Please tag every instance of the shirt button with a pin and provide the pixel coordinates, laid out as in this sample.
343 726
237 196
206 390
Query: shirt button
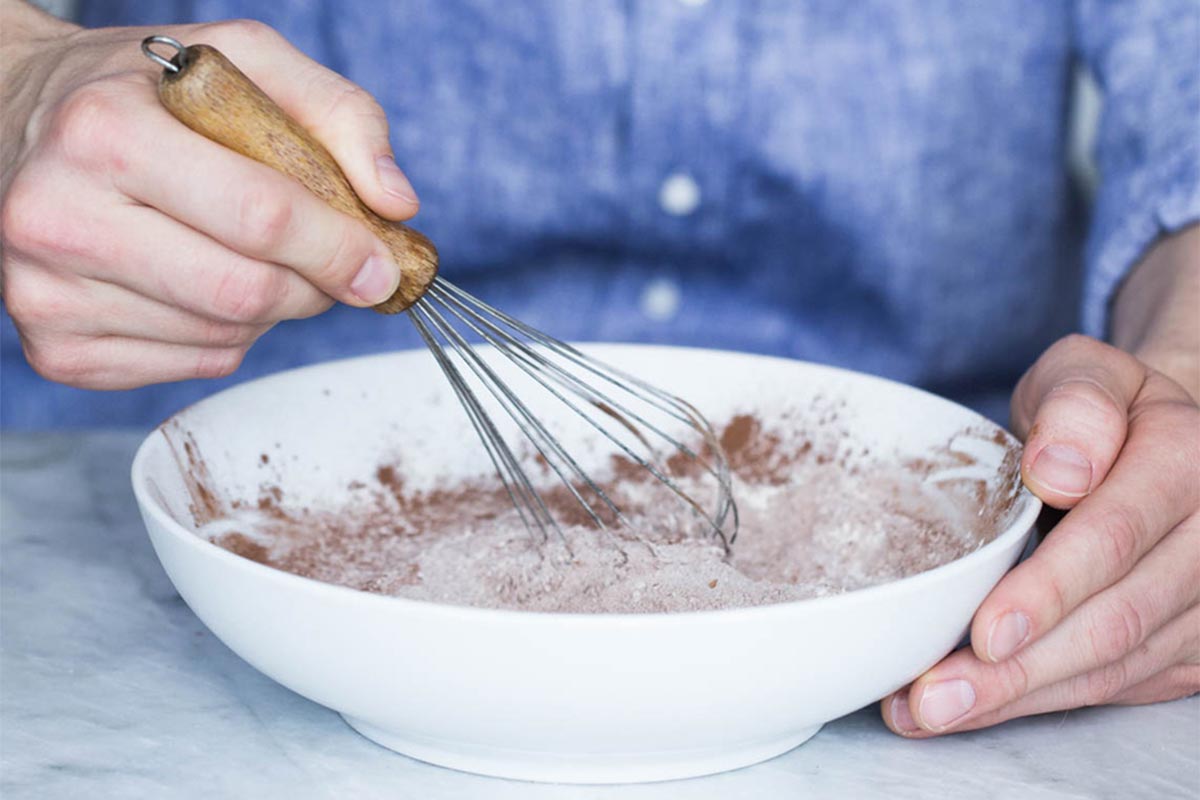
660 300
679 194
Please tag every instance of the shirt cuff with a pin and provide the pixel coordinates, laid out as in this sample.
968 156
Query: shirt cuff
1123 233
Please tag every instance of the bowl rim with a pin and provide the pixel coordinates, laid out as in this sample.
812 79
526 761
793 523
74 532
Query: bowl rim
1020 526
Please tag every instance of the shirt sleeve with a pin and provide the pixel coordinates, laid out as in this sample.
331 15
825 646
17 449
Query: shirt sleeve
1145 56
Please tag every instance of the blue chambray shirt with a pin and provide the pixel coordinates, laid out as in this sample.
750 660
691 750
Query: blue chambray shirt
872 184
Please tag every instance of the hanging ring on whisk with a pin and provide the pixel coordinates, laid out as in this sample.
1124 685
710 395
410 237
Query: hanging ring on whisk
175 63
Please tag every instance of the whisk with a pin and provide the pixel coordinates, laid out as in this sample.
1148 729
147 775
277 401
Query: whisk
206 92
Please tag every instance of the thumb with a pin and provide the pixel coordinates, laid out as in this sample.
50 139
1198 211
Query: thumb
340 114
1072 409
353 127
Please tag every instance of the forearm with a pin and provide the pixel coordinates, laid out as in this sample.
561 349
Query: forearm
1156 314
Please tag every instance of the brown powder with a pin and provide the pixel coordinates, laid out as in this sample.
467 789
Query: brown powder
205 505
817 517
245 547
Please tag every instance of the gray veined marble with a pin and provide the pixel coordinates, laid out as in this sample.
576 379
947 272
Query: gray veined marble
110 687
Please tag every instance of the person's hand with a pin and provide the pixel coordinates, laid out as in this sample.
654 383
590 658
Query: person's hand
1105 610
136 251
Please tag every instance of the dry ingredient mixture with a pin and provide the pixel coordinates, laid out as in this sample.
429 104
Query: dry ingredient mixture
817 518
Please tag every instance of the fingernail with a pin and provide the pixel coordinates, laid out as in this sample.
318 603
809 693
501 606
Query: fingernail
1007 634
393 180
1063 469
375 281
946 702
901 717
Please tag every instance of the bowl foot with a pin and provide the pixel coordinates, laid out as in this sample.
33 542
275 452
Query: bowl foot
566 767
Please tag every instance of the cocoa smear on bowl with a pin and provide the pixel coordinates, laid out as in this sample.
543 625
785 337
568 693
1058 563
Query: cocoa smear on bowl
818 517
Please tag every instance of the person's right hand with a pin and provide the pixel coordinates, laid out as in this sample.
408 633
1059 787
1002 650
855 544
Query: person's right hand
136 251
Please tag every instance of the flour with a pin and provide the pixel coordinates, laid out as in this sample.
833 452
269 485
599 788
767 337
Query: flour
817 518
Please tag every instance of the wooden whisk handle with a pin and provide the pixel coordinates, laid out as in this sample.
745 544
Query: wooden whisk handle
206 92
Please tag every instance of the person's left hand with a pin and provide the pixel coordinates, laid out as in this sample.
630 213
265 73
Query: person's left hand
1106 609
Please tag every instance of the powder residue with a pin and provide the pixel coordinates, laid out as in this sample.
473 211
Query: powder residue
818 517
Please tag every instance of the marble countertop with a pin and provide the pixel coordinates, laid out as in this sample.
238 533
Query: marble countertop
110 687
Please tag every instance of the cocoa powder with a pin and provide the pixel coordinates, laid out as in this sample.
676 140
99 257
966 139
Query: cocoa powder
818 516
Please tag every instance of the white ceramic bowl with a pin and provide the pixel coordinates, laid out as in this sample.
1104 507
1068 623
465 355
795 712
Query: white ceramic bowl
556 697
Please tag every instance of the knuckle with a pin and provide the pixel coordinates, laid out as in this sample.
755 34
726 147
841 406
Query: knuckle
61 363
1119 629
31 302
312 303
347 107
1076 348
30 224
245 31
370 107
1101 685
1187 679
1077 343
348 97
1119 531
1086 408
87 125
351 248
1061 598
1086 394
1054 586
246 295
218 362
264 218
20 227
1015 677
219 334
